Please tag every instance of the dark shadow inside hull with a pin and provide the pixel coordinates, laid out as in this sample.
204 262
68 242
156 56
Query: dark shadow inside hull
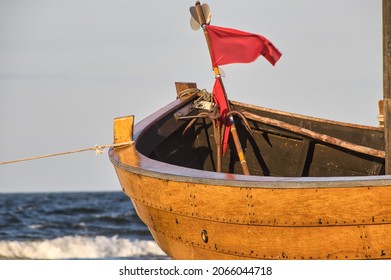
269 150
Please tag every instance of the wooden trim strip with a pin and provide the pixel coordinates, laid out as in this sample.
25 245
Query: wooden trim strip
317 136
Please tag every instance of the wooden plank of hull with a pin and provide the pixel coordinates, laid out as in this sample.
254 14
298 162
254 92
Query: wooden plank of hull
270 223
181 238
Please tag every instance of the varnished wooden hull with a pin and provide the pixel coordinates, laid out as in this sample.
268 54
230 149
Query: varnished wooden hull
198 214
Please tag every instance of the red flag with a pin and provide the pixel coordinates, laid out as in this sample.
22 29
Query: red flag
219 98
235 46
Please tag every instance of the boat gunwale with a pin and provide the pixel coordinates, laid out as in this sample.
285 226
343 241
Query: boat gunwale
188 175
166 171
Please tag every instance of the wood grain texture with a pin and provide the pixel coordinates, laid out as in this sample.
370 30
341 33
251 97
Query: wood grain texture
387 80
123 129
242 223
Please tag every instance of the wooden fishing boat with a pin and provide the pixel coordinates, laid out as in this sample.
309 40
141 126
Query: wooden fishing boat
305 198
317 188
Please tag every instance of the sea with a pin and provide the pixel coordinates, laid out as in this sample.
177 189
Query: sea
73 225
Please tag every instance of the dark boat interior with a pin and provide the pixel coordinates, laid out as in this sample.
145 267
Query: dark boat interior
269 150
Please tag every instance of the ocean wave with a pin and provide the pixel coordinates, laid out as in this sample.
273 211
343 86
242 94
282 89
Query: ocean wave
81 247
37 226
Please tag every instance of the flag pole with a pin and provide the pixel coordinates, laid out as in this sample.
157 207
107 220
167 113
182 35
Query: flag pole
216 71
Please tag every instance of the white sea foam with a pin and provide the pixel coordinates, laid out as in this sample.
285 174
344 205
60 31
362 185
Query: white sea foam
80 247
35 226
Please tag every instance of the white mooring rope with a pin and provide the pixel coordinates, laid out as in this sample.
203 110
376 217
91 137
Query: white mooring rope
98 149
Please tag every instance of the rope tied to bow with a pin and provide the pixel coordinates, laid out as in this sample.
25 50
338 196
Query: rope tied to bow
98 149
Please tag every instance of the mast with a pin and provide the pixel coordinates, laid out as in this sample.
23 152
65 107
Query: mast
216 71
387 82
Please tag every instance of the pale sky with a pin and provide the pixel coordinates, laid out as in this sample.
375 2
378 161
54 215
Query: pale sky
69 67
